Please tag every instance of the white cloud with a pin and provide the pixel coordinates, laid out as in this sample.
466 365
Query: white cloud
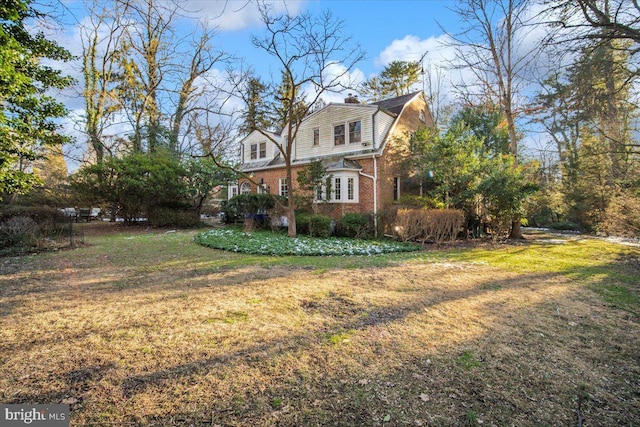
232 15
347 82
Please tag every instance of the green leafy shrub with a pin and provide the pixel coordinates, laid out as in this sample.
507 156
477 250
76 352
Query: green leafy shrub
302 223
173 217
254 206
319 226
355 225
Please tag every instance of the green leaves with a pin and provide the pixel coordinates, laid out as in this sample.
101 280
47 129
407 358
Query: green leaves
26 111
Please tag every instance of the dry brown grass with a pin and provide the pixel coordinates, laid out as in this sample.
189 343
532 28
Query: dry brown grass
151 329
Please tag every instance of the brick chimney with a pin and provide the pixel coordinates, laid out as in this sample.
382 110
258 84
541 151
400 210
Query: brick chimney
351 99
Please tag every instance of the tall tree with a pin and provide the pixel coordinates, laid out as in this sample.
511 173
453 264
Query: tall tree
396 79
102 41
256 113
306 47
491 47
27 110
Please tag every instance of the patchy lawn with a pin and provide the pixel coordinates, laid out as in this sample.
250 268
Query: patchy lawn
150 328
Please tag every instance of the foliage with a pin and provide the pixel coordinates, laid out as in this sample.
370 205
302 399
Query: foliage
248 206
422 225
315 183
356 225
27 226
319 225
267 243
27 110
504 190
451 163
622 216
137 185
486 123
396 79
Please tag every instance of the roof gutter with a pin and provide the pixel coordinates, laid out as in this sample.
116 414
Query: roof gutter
374 178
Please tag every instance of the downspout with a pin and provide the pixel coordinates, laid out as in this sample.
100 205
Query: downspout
374 178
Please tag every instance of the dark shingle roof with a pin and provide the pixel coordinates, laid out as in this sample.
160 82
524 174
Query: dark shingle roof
395 105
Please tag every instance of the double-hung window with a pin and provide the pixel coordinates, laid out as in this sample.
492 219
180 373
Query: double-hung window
355 131
254 151
283 187
263 150
337 190
351 187
316 137
338 135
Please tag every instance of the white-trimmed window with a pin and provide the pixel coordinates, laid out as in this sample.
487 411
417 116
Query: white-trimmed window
254 152
263 150
355 131
344 188
245 188
233 191
351 187
316 137
338 135
283 188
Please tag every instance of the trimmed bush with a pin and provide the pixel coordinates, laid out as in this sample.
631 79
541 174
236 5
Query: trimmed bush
355 225
422 225
173 217
319 226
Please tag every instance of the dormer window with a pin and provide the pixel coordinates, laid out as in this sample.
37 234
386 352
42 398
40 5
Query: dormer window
355 134
316 137
338 135
263 150
254 151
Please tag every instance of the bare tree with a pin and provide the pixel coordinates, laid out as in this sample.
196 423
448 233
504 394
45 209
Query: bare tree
306 48
101 37
598 20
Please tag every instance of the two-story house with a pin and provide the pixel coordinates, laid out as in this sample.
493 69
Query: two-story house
364 148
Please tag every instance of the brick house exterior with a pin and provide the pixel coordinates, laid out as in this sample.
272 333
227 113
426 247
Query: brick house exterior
363 146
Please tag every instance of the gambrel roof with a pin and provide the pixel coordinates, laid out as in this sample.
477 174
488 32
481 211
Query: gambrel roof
395 105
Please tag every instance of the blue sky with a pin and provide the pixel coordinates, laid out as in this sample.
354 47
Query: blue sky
375 24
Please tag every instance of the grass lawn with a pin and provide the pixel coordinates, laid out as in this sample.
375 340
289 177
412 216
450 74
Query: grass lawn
150 328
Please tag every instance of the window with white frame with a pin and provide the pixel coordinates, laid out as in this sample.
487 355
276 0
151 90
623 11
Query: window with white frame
263 150
351 187
355 131
254 151
316 137
245 188
337 189
338 135
283 188
233 191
